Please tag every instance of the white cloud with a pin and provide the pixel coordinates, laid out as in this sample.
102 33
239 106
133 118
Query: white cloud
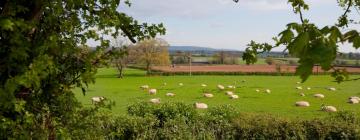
196 9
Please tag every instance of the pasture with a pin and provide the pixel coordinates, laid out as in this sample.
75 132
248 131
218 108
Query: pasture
280 102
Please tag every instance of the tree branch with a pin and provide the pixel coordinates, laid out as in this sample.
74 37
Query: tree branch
348 8
128 34
301 16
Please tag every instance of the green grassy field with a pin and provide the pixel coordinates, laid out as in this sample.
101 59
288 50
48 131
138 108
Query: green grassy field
279 103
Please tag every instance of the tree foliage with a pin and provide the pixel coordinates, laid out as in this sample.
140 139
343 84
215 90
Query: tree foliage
312 44
120 55
151 52
44 56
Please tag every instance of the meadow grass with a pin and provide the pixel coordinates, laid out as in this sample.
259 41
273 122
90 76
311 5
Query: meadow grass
280 102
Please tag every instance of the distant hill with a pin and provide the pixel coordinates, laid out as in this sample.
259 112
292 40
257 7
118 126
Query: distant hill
190 48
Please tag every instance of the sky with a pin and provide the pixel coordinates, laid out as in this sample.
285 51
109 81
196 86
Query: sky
224 24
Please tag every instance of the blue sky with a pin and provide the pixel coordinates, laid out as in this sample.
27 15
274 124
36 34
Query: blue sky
227 25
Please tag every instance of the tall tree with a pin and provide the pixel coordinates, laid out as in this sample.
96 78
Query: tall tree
120 57
42 62
151 52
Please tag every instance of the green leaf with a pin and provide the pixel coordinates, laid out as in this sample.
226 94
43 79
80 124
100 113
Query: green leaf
305 69
356 42
335 34
298 46
286 36
6 24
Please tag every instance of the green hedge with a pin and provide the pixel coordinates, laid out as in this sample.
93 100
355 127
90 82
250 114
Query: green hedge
183 121
180 121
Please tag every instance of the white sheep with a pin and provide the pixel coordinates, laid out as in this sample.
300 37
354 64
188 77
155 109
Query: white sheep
319 96
268 91
170 94
299 88
234 96
332 89
181 84
144 87
155 101
203 85
298 82
355 97
309 88
302 94
231 87
221 87
201 105
152 91
229 93
208 95
353 101
302 104
257 90
97 99
329 109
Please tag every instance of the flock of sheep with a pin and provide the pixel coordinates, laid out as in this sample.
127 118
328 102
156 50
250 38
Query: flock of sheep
352 100
197 105
229 91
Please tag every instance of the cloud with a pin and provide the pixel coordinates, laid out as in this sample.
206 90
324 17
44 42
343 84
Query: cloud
264 5
216 25
195 9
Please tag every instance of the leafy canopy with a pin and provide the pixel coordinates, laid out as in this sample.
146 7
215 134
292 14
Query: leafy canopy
312 44
44 56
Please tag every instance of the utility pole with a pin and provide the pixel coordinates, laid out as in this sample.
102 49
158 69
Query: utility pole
190 62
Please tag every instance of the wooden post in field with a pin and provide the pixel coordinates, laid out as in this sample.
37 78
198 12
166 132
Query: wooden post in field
190 56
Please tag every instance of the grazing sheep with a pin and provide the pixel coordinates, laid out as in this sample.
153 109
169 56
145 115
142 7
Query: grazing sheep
328 109
155 101
208 95
203 85
319 96
298 82
181 84
353 101
309 88
201 105
355 97
268 91
234 97
299 88
221 87
302 104
152 91
144 87
231 87
257 90
229 93
332 89
302 94
170 94
97 99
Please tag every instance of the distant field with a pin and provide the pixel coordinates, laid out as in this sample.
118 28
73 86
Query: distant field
280 102
241 68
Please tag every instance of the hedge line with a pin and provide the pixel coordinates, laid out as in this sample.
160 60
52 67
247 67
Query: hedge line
165 73
182 121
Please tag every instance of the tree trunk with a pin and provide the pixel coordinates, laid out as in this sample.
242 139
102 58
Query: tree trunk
120 68
121 71
148 68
